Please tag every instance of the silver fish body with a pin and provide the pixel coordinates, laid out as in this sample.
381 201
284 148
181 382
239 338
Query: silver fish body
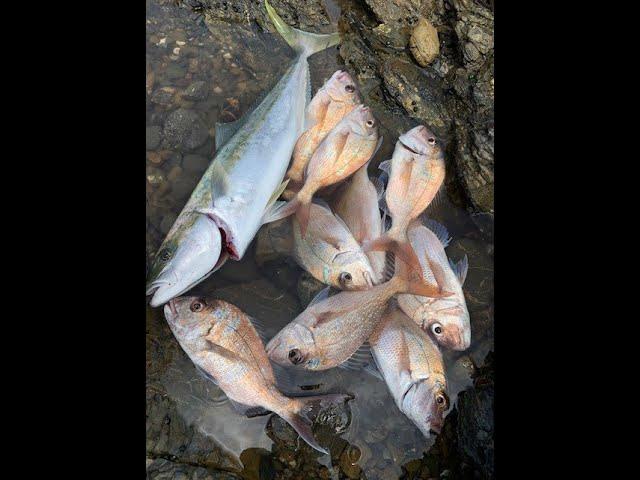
242 182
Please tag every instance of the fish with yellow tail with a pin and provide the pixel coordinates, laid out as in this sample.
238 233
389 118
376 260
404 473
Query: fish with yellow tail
416 173
412 368
331 329
221 341
350 144
239 189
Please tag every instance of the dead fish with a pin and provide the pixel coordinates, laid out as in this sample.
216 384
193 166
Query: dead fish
221 341
447 319
345 149
336 98
330 253
356 202
331 329
412 367
416 172
237 192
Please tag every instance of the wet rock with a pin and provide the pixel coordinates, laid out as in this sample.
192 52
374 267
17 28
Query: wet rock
175 71
196 91
168 436
154 136
349 462
195 163
274 241
167 222
163 96
424 43
184 129
162 469
258 464
174 174
308 287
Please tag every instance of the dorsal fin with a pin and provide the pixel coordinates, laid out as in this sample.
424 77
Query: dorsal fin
385 166
461 268
438 229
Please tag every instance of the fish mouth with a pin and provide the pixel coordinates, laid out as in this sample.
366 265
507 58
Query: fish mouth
406 147
170 311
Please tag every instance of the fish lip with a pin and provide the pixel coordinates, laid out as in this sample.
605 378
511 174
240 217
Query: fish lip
409 148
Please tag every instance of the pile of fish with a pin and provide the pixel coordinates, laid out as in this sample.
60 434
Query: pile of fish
400 298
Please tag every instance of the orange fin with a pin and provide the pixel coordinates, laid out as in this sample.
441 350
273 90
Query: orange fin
401 250
285 210
303 211
414 282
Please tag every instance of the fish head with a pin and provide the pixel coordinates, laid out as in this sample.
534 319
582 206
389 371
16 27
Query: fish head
420 140
188 317
294 346
353 271
183 260
362 122
425 403
448 323
341 88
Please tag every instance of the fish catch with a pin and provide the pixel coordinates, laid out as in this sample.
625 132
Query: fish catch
336 98
416 172
330 253
331 329
356 202
345 149
239 188
447 319
412 368
221 340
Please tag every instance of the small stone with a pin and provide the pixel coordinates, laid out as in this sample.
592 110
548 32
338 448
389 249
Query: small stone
180 43
155 158
154 136
184 128
163 95
197 91
424 43
174 174
217 90
163 41
227 56
195 163
154 176
176 51
175 71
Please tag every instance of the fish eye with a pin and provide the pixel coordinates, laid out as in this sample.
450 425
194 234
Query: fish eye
431 140
350 88
295 356
436 328
442 400
165 255
345 277
370 123
197 306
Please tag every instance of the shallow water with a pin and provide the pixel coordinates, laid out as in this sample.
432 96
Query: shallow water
237 63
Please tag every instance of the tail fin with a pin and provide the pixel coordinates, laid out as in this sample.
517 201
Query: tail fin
302 215
388 242
410 280
300 419
303 42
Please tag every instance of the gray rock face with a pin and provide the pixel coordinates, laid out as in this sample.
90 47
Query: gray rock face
154 136
184 129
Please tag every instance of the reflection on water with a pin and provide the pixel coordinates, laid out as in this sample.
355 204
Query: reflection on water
215 75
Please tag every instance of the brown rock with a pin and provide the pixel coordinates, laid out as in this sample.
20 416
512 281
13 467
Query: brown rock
424 43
